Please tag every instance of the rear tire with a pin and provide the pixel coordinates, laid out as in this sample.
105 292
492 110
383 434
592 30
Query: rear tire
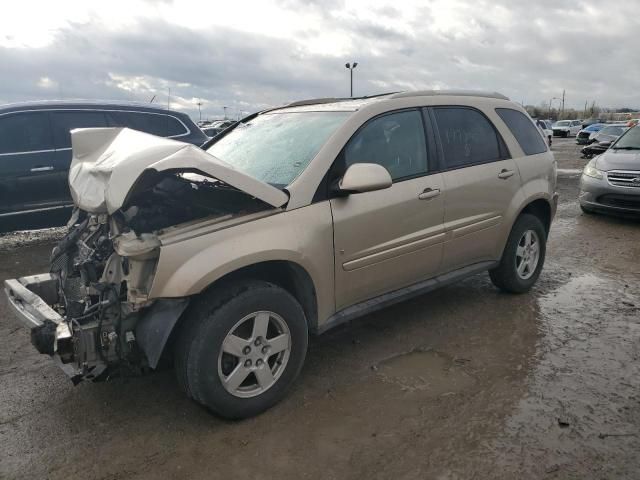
241 348
523 256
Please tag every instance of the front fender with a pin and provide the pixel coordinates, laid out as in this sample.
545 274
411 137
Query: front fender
303 236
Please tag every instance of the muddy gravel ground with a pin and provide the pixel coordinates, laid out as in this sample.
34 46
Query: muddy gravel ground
465 382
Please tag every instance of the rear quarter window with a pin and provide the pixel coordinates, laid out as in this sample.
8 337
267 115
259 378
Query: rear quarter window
524 130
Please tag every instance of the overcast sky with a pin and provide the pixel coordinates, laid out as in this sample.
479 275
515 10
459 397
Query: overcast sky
250 55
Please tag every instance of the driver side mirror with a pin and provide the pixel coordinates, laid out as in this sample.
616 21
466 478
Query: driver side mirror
365 177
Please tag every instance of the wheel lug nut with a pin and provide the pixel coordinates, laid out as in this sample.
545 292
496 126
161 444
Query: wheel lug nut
258 363
265 349
247 363
257 342
246 350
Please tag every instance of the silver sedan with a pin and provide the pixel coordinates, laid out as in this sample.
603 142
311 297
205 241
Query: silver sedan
611 182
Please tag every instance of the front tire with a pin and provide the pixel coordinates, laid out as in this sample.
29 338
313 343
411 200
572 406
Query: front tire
523 256
242 348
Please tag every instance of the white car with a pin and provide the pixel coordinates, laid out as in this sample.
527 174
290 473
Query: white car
567 128
545 127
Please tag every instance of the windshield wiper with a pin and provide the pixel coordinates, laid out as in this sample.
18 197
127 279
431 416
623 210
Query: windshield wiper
626 148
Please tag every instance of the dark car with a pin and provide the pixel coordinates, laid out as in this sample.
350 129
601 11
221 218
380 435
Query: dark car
216 127
35 147
591 121
603 140
584 135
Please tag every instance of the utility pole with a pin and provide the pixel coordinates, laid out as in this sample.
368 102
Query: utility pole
169 99
225 112
585 107
350 67
563 102
551 100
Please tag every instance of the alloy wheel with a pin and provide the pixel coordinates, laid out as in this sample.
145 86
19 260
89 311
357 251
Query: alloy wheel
527 254
254 354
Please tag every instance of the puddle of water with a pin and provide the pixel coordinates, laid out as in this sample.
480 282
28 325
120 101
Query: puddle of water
428 371
583 398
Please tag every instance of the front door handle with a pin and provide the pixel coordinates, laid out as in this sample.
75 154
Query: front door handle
429 193
41 169
504 174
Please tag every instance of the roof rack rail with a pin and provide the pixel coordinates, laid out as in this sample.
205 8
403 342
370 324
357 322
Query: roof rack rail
453 93
319 101
316 101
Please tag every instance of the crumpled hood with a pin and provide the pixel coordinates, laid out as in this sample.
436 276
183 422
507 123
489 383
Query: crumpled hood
618 160
107 162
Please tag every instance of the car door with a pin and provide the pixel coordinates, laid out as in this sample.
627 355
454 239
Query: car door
390 238
29 179
480 182
63 121
576 126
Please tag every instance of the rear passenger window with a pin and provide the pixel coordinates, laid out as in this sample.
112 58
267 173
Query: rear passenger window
118 119
153 123
65 121
395 141
523 129
175 127
25 132
467 137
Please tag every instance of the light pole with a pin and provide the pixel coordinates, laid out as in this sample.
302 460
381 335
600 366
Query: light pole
199 110
225 112
350 67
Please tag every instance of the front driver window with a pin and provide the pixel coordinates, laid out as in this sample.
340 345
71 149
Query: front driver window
395 141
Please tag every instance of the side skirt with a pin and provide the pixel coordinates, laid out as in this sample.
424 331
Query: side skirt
368 306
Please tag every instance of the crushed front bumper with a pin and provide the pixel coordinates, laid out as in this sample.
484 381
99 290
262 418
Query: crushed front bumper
30 299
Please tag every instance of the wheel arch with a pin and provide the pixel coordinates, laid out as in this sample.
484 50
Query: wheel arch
541 208
286 274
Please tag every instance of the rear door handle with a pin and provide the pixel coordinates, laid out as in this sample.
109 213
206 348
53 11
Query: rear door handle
41 169
429 193
504 174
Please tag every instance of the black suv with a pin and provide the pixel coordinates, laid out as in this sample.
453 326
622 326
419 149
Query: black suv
35 147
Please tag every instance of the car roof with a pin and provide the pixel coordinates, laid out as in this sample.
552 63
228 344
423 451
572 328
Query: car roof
353 104
82 105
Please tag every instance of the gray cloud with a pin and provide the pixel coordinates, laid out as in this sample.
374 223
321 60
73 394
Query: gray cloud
548 46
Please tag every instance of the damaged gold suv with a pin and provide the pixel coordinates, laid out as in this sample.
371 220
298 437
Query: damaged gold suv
224 258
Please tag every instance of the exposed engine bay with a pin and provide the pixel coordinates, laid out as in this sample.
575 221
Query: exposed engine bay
104 268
